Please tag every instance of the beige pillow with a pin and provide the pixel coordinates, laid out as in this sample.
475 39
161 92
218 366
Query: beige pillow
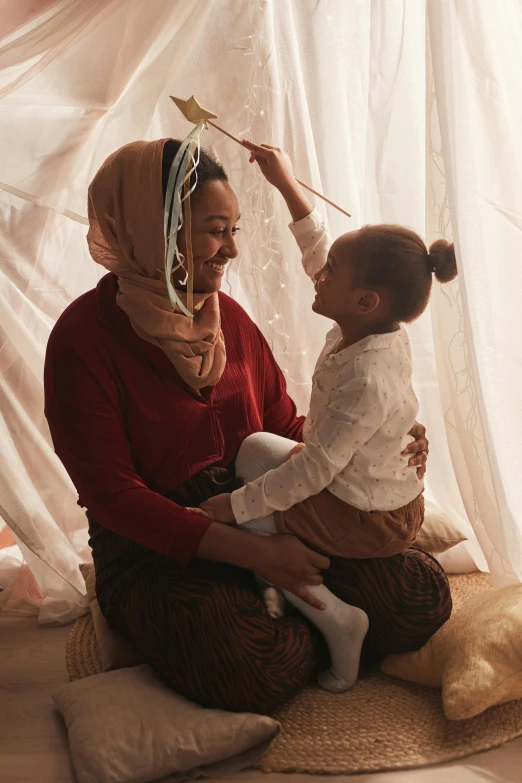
127 727
115 652
438 533
476 657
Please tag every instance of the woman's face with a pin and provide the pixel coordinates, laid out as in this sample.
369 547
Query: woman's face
214 214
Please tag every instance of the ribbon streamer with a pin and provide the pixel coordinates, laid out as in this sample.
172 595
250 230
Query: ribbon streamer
178 191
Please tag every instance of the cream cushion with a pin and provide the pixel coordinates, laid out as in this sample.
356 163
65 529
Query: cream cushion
127 727
438 533
476 656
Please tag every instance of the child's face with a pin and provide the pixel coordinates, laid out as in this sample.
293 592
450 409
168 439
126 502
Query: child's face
339 295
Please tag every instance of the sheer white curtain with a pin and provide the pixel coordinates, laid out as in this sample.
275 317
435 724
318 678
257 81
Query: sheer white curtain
343 87
477 62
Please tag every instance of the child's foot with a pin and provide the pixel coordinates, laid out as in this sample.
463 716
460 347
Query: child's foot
345 643
331 682
343 627
274 601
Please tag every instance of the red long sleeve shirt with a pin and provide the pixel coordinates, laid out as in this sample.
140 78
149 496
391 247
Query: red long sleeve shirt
128 429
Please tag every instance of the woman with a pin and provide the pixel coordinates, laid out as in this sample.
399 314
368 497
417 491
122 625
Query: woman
147 411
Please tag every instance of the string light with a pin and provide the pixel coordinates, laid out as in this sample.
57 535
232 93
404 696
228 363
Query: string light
264 275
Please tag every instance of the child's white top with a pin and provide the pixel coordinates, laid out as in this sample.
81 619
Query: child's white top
361 410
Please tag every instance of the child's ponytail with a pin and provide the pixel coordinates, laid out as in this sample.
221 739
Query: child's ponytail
442 261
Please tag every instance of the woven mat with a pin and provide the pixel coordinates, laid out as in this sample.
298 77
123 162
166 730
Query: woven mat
82 654
381 724
384 723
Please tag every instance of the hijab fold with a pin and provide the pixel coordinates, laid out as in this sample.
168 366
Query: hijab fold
126 237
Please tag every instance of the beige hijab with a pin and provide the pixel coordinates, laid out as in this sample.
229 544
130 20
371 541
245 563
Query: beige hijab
126 237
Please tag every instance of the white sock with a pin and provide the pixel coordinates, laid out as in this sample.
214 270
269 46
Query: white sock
344 628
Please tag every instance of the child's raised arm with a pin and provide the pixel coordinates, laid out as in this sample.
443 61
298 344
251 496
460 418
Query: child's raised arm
276 167
308 226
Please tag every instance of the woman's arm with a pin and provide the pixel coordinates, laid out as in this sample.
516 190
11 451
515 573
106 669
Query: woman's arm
279 411
89 435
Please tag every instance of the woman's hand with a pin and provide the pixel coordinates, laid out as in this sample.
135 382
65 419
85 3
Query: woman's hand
276 167
288 564
282 560
419 448
219 508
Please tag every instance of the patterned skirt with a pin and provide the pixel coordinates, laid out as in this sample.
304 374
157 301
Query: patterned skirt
205 629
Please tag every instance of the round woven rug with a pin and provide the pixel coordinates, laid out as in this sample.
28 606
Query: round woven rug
381 724
82 653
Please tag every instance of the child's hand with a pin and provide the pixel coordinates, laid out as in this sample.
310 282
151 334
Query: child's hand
274 163
277 169
219 508
297 448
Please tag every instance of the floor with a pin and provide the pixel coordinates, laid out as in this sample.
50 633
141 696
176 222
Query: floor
33 741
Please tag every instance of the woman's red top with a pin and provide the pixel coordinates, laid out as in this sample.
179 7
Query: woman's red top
127 428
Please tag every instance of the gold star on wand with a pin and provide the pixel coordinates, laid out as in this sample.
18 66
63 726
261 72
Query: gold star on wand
195 112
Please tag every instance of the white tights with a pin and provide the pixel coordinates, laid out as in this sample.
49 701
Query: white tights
343 626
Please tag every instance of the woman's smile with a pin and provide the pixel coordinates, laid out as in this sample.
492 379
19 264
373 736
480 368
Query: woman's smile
217 266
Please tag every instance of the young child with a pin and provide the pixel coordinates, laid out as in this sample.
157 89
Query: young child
348 491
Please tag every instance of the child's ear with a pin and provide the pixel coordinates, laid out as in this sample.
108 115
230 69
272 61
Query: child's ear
368 302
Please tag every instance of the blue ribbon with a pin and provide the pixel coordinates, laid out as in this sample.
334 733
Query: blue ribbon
172 216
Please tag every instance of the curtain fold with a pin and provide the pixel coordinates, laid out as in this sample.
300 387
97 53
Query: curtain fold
477 61
351 92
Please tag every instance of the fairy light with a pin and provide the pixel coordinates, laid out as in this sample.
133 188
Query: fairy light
264 277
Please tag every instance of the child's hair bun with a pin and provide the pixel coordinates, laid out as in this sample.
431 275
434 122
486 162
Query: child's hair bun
442 261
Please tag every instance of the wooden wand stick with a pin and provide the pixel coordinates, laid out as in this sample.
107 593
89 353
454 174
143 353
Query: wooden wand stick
194 112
